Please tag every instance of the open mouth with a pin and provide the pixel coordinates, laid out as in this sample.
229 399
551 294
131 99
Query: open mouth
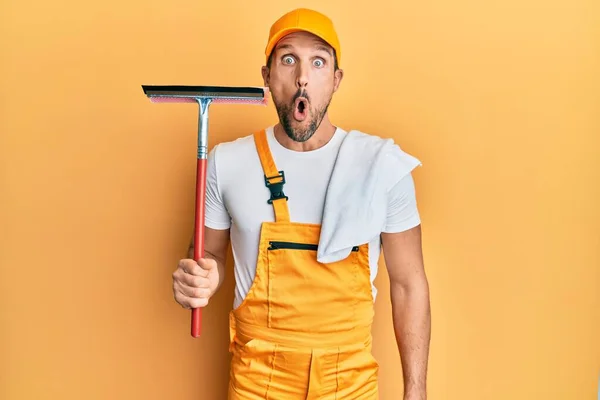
300 109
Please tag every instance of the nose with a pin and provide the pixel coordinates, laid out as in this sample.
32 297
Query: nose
302 75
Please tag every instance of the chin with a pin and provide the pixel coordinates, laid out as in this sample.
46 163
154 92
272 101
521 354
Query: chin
300 131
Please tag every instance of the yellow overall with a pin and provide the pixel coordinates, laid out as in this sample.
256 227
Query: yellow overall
304 329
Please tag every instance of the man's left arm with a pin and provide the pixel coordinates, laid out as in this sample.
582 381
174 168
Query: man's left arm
409 290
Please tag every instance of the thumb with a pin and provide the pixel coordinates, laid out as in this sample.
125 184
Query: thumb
207 263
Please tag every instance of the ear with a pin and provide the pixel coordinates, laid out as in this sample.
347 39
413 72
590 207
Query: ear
337 79
265 75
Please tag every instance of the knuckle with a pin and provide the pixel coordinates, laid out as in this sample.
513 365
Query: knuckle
177 281
190 266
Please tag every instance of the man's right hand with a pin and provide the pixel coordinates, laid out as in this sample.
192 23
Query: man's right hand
195 282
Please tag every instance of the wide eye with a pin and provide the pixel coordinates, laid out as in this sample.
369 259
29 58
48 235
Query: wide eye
318 63
288 60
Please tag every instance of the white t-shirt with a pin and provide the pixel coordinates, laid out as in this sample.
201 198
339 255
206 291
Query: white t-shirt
236 197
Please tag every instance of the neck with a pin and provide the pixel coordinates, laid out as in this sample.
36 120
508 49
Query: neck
320 138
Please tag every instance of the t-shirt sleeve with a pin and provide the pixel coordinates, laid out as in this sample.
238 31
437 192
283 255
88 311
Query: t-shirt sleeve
402 212
216 214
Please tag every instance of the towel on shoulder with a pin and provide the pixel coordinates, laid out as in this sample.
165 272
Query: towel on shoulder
367 167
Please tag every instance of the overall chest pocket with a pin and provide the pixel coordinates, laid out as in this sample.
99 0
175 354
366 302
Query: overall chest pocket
306 295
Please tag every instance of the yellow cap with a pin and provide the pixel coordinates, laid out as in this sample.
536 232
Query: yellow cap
303 19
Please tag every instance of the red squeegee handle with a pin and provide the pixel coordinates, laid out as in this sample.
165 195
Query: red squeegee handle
199 233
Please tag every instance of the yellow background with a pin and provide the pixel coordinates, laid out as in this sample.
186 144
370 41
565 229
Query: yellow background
500 100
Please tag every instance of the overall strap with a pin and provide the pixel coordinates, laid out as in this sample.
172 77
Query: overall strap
274 179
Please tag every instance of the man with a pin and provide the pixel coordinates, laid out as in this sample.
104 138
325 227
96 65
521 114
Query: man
301 323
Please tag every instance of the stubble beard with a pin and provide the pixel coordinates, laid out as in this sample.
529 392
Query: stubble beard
300 134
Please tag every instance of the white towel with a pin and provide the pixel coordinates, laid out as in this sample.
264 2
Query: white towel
367 167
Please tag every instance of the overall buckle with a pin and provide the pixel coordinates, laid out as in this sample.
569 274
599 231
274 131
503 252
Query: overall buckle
276 188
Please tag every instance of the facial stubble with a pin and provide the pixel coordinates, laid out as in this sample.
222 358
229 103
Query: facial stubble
285 113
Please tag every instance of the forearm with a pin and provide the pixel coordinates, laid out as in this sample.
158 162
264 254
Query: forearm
412 327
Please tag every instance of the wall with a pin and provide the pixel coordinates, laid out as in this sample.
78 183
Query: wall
498 99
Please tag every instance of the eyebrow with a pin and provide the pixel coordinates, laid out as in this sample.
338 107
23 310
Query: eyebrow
325 49
284 46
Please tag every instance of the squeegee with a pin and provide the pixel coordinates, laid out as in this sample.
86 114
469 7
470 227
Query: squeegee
204 96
